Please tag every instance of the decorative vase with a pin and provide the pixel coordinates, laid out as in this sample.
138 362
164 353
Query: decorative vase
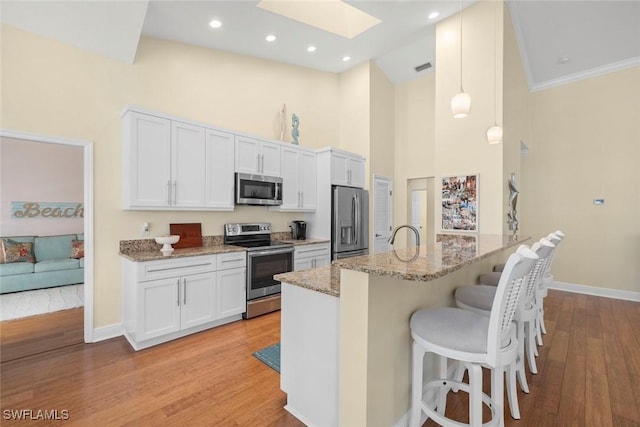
166 242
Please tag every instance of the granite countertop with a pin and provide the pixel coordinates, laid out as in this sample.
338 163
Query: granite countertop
304 242
450 253
323 279
153 254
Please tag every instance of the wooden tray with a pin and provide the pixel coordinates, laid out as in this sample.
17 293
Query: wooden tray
190 235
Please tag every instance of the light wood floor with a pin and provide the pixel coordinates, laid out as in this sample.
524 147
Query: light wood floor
38 334
589 375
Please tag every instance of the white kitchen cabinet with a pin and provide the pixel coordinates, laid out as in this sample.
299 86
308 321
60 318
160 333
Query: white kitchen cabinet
231 292
347 169
159 312
198 305
175 165
220 154
188 164
147 161
256 157
168 299
311 256
299 179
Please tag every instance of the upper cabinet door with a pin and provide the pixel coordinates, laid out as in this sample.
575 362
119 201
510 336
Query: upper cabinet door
356 172
220 163
188 164
248 155
270 159
309 180
290 178
339 169
147 161
257 157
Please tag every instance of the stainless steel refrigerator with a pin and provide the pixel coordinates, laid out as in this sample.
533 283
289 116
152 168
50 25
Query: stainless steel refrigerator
349 222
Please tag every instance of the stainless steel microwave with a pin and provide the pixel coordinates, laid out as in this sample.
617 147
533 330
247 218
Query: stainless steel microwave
258 190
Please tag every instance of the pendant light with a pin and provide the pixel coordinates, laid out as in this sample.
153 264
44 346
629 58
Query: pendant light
461 103
494 133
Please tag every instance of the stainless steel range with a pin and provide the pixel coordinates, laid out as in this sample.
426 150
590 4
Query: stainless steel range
265 258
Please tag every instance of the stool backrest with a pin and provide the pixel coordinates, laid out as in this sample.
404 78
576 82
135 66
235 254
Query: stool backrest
508 294
544 249
556 237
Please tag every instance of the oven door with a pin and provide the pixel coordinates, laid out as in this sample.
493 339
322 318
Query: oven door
258 190
262 266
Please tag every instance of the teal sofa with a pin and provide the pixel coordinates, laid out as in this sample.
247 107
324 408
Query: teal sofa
53 266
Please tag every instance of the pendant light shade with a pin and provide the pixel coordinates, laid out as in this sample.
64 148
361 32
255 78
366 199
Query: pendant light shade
494 134
460 105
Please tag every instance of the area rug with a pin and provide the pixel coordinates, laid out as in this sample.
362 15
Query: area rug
270 356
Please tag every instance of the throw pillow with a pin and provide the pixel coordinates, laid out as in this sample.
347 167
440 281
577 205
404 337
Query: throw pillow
17 251
77 249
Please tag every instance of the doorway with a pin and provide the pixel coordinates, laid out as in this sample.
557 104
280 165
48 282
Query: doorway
420 209
60 328
382 213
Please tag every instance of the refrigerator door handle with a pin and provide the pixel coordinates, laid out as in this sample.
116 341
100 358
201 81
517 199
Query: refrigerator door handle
357 223
353 217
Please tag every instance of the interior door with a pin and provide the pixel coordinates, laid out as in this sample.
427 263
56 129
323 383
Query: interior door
419 214
382 213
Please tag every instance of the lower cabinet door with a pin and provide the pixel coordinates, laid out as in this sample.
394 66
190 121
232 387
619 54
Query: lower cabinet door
198 299
231 294
159 313
302 264
321 261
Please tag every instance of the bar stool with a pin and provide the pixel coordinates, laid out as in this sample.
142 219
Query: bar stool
547 280
479 299
474 340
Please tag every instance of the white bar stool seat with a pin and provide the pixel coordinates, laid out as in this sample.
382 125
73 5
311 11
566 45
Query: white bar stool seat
480 299
474 340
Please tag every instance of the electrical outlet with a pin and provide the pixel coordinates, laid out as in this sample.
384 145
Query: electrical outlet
144 232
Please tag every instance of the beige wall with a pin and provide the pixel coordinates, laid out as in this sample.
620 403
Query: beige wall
585 144
515 115
460 144
381 106
53 89
355 92
414 142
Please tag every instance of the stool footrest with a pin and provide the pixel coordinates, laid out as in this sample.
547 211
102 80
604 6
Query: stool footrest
449 384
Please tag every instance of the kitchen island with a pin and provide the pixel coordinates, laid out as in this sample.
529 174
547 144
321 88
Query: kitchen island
346 343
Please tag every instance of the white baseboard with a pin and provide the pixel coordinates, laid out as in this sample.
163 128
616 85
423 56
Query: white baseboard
593 290
107 332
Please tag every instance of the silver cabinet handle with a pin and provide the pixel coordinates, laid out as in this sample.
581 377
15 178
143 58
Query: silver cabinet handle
302 199
262 168
175 192
184 281
178 300
169 192
258 163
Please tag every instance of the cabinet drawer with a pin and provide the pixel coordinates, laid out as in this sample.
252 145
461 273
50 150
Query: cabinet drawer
232 260
307 251
176 267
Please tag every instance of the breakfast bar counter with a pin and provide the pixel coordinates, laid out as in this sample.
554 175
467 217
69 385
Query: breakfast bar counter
345 339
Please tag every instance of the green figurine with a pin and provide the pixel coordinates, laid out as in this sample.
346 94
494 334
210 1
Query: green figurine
295 123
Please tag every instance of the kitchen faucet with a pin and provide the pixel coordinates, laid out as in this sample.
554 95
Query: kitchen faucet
395 230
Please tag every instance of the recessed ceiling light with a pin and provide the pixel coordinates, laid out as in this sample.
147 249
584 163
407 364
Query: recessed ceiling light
270 38
563 59
434 15
346 58
311 48
214 23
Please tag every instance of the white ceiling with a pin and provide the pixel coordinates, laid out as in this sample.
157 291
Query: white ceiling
595 36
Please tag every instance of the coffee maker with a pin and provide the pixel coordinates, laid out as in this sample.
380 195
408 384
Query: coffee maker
298 230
